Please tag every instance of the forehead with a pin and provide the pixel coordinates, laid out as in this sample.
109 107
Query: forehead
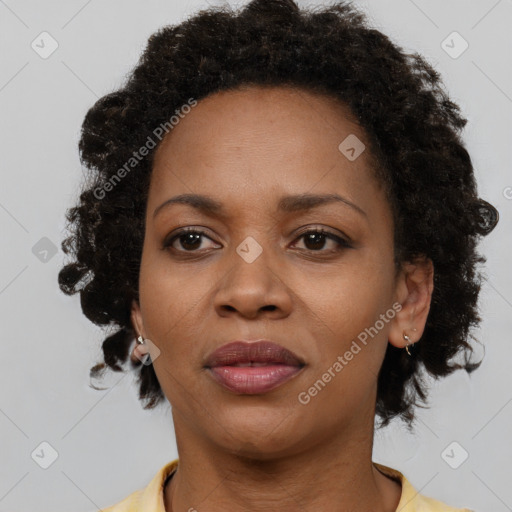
283 116
259 142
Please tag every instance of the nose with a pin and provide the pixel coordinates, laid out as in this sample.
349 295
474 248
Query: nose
253 289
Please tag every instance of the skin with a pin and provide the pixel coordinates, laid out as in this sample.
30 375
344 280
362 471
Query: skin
248 148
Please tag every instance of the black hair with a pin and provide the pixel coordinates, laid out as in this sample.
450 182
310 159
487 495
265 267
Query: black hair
398 99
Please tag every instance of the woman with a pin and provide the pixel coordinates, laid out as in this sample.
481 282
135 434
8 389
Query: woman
281 218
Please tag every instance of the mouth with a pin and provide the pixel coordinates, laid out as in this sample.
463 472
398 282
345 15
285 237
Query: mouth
253 367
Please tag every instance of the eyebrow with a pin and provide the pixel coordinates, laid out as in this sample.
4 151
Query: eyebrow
287 204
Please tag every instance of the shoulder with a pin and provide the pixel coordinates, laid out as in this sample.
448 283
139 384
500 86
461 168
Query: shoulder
411 500
148 499
129 504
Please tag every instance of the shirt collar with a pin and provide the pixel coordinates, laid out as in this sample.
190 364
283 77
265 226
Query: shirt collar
152 497
409 496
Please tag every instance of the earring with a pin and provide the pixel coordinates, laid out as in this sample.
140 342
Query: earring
141 352
406 338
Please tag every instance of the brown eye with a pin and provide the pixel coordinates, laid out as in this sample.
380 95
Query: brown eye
315 240
189 239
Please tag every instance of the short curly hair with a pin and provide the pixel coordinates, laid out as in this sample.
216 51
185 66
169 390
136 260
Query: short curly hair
398 99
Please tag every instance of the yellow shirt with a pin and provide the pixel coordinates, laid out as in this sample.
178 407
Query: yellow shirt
151 498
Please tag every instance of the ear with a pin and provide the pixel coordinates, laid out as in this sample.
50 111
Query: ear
414 287
139 351
136 318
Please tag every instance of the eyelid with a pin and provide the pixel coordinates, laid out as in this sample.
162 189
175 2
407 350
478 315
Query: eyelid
343 241
169 239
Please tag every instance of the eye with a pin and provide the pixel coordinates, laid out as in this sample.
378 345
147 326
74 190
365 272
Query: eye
315 240
188 238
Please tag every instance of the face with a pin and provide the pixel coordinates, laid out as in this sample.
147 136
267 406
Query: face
313 293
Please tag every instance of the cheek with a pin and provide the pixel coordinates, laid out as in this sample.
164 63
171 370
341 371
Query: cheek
353 297
170 300
170 308
348 315
351 340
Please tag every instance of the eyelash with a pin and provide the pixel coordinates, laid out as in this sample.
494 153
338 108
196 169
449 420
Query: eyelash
342 243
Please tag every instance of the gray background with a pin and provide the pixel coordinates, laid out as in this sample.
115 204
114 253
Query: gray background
107 445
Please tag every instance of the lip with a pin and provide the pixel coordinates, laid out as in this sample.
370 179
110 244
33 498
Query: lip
231 366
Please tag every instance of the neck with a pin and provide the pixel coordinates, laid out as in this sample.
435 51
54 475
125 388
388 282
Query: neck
337 475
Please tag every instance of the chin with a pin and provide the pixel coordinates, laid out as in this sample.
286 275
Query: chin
260 450
260 433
